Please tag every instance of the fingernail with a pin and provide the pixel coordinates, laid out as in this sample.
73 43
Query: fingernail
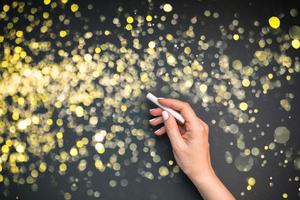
156 131
160 97
151 109
165 115
152 119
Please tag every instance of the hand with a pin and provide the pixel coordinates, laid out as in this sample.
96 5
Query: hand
190 147
189 140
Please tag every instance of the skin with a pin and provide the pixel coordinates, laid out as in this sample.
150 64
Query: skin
190 147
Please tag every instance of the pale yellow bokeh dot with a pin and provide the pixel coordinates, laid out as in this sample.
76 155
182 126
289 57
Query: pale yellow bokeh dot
128 27
120 68
74 7
73 151
100 148
249 187
246 82
270 76
59 135
149 18
274 22
49 122
187 50
151 44
5 148
45 15
236 37
62 167
15 115
163 171
169 37
6 8
203 88
251 181
47 2
64 1
63 33
285 195
296 44
129 20
79 111
42 167
1 38
167 7
19 34
97 50
144 77
123 108
93 120
243 106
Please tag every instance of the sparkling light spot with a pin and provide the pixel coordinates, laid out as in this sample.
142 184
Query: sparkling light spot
236 37
243 106
295 44
167 7
74 7
274 22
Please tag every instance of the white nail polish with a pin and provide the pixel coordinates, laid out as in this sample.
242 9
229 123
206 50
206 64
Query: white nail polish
152 119
165 115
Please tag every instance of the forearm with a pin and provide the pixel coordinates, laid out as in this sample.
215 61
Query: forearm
211 187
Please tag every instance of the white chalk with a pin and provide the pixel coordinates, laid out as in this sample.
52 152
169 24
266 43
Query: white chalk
175 114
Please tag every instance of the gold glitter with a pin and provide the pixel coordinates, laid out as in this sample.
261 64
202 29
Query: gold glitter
148 18
167 7
100 148
19 34
243 106
6 8
123 108
246 82
63 33
169 37
274 22
97 50
203 88
151 44
163 171
295 44
236 37
73 151
251 181
281 135
79 111
129 20
74 7
47 2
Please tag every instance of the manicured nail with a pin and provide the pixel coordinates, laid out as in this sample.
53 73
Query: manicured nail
165 115
152 119
160 97
152 109
156 131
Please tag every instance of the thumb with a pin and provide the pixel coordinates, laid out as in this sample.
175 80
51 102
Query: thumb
172 129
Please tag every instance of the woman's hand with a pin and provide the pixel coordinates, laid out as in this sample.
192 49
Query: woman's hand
190 146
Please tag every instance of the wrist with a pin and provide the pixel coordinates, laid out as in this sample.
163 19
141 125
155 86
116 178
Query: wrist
202 177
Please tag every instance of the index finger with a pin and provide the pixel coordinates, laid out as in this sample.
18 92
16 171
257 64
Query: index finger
184 108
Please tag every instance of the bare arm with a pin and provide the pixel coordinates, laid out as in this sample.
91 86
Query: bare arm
191 148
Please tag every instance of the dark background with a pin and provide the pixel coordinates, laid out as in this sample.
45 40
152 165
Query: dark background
179 187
